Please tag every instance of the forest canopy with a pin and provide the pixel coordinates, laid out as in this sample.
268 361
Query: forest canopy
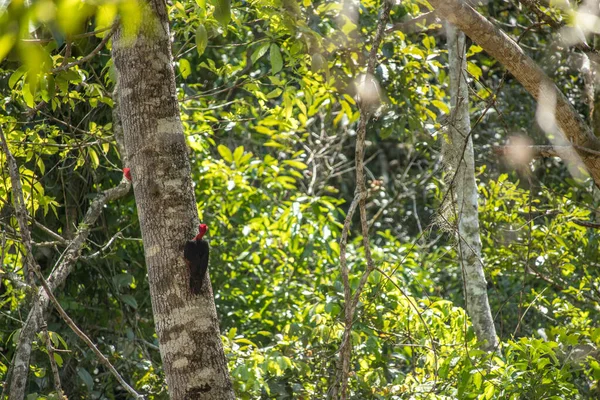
395 209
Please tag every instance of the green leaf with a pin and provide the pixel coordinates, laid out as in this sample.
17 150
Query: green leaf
129 300
86 377
222 11
185 68
41 165
57 339
201 39
474 70
6 44
225 153
16 76
276 60
123 280
296 164
237 154
259 52
441 106
28 96
94 157
489 391
58 359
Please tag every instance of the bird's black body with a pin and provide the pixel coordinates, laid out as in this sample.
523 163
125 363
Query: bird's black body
196 258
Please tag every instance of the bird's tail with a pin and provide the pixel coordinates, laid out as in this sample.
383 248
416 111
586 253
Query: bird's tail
195 284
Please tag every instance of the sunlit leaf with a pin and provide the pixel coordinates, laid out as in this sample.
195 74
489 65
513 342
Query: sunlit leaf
259 52
276 60
222 11
225 153
201 39
185 68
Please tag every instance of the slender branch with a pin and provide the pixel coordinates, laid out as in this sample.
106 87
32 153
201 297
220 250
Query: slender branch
50 232
535 151
2 246
350 302
53 366
85 338
116 236
20 209
587 224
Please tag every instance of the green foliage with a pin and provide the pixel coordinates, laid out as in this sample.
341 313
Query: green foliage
267 95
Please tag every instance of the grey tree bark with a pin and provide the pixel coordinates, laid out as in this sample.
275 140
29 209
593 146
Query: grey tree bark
459 159
187 326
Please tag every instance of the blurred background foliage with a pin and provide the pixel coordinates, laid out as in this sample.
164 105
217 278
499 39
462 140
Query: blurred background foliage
266 90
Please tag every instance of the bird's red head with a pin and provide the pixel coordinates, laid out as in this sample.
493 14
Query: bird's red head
127 173
202 229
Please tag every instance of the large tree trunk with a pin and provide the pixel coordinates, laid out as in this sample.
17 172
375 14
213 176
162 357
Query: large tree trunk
567 122
458 154
187 326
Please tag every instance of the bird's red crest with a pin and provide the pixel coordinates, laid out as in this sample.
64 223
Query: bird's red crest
202 229
127 173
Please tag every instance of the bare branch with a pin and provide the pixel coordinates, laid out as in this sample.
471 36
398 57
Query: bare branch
2 246
587 224
53 366
116 236
50 232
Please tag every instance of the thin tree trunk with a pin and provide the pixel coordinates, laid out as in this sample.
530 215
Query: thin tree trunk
458 153
187 326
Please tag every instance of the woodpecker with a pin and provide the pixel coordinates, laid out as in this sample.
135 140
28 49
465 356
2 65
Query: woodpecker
127 174
195 253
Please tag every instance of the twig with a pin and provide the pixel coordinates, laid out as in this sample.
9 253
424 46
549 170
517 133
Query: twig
587 224
85 338
53 366
106 246
3 245
50 232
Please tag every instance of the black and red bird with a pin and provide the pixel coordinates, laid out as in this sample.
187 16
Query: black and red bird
195 253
